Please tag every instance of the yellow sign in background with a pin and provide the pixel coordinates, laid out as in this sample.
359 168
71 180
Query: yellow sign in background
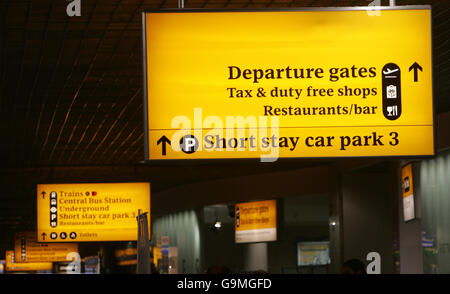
126 256
90 212
13 266
342 83
313 253
407 181
27 249
408 192
256 221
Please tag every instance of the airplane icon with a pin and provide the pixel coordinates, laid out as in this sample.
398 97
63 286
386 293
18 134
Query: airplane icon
389 71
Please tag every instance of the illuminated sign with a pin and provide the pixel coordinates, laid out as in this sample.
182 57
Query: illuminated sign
256 221
336 82
90 212
408 192
27 249
313 253
13 266
126 256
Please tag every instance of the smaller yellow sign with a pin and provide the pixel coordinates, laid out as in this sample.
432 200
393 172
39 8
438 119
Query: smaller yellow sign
313 253
256 221
407 181
126 256
408 192
12 266
90 212
27 249
157 253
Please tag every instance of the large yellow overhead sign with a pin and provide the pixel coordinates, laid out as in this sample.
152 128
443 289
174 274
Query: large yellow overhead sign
248 84
90 212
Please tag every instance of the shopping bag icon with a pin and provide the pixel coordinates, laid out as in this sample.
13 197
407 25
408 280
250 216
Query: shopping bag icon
391 91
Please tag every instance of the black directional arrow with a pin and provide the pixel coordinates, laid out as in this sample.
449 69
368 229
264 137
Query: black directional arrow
163 140
43 194
43 236
416 67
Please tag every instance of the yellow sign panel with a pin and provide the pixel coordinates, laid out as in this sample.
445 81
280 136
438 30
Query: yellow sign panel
313 253
90 212
13 266
126 256
408 192
407 180
256 221
27 249
266 84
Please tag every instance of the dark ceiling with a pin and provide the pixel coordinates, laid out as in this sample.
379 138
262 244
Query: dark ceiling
71 94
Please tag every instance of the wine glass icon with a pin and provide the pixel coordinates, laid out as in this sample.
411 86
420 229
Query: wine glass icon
389 109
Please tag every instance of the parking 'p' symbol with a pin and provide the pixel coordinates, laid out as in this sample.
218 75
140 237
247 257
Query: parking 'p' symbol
189 144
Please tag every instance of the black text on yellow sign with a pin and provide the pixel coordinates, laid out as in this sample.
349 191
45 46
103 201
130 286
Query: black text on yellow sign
90 212
335 83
